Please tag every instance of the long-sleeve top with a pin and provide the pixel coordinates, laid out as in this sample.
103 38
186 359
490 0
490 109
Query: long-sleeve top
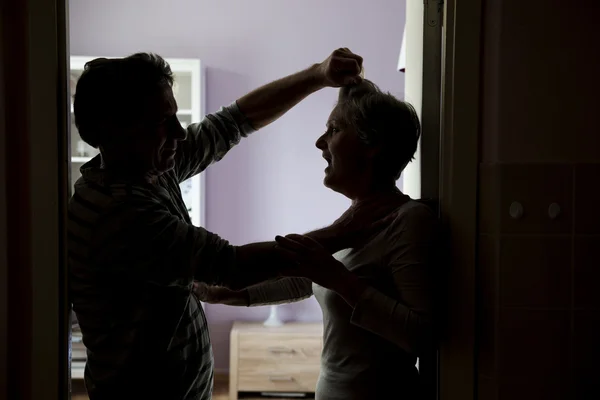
370 351
133 256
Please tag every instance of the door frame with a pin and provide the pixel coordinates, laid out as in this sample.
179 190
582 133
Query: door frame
33 131
447 68
35 268
459 162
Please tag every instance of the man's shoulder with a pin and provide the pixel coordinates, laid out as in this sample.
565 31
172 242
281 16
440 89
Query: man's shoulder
91 198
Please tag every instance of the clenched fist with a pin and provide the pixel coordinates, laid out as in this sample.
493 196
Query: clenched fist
341 68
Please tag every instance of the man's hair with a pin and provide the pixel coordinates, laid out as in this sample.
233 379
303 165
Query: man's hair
114 93
380 119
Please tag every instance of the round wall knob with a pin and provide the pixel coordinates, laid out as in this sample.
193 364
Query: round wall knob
516 210
553 211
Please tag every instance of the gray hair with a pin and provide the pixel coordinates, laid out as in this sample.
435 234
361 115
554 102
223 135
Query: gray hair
380 119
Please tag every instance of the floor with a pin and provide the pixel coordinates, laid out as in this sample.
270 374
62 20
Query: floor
219 394
221 390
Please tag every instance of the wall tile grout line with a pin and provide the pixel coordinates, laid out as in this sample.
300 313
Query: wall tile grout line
572 316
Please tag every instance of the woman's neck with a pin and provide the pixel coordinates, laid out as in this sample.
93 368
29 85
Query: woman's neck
389 192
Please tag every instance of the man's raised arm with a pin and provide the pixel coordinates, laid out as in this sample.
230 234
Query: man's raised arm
209 140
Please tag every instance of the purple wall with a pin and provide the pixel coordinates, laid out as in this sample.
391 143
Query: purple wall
272 183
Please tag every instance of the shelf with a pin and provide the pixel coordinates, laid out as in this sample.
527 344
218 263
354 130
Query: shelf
180 112
188 90
81 159
77 369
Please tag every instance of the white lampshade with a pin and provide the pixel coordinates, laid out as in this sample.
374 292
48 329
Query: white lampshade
402 58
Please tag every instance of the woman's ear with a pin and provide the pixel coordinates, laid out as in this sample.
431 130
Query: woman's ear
373 152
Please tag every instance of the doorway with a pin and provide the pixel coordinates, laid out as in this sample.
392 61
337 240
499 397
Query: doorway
45 277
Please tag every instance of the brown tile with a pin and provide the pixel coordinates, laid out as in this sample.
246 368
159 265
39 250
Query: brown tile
536 187
535 271
487 283
533 346
544 117
587 272
587 354
587 199
486 342
487 388
487 271
489 199
528 388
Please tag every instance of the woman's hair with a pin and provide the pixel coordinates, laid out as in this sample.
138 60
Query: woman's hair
382 120
113 93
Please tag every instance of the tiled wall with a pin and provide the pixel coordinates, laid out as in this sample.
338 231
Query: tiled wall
539 216
539 280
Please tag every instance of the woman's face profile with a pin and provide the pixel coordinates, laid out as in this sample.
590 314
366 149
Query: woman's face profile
348 159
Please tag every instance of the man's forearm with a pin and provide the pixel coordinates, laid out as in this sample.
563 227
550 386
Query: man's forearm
221 295
269 102
255 263
259 262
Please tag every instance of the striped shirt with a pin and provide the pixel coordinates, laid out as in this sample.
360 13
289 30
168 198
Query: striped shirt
133 256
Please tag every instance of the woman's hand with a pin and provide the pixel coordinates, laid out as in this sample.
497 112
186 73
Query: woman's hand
220 295
314 262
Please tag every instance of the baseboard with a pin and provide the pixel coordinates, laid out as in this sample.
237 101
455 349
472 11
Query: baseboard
221 375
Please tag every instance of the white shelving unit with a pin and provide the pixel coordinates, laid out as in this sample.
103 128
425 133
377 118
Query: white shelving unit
188 89
189 93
